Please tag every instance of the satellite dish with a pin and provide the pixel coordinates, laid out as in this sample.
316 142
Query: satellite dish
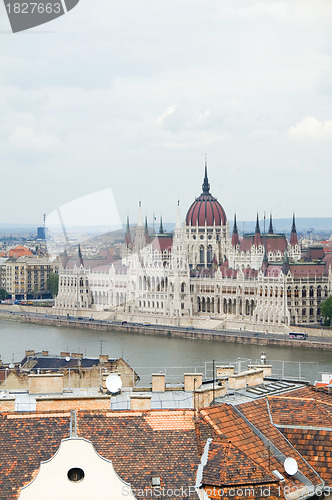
11 365
67 358
290 466
113 383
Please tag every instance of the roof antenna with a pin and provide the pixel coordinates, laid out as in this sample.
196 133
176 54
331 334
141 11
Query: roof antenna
73 424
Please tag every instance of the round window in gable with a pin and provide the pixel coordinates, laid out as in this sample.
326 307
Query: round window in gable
75 474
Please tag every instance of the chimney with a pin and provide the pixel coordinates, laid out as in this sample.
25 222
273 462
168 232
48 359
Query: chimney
224 370
158 382
140 402
31 352
46 383
77 355
65 354
103 358
192 381
45 353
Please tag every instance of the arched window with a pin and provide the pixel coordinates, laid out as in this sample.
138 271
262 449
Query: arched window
304 292
201 254
209 254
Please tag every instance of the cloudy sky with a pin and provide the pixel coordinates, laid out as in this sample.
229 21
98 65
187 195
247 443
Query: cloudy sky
131 96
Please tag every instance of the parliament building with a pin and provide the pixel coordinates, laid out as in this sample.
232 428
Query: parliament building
202 271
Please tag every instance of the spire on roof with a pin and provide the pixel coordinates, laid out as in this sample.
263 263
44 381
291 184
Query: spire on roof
235 235
139 218
257 229
80 256
293 237
206 185
265 263
178 217
161 229
65 258
257 238
271 226
147 237
128 236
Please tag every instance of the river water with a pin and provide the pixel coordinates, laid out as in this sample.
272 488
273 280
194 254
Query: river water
153 354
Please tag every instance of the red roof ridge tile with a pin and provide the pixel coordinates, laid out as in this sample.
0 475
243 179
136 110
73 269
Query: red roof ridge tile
38 415
117 413
323 410
213 425
289 397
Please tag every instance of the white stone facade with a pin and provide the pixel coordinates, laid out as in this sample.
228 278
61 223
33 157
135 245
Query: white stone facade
198 271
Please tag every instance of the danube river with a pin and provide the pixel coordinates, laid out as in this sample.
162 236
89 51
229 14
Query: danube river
149 354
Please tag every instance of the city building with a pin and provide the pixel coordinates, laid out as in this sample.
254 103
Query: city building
27 276
203 271
74 369
275 446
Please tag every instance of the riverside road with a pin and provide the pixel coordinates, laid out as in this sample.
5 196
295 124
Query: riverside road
323 341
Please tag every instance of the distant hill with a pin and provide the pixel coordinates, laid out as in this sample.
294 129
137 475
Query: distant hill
304 225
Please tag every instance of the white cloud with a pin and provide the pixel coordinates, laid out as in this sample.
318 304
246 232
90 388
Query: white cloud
311 128
132 88
169 111
27 140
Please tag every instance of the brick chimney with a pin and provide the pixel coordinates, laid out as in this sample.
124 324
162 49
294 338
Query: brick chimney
103 358
140 402
192 381
158 382
77 355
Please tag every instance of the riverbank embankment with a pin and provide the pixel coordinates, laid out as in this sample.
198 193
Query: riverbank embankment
317 338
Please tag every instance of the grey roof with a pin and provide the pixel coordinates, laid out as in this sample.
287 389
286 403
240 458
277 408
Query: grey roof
159 400
57 362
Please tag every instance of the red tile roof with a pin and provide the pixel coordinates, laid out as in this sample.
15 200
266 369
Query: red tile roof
230 425
246 243
328 259
305 419
274 270
19 251
24 443
168 443
258 414
228 465
141 445
304 269
271 242
161 243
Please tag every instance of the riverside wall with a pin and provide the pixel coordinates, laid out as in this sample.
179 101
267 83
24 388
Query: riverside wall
253 337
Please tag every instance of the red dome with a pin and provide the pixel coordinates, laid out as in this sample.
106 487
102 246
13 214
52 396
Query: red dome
206 209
